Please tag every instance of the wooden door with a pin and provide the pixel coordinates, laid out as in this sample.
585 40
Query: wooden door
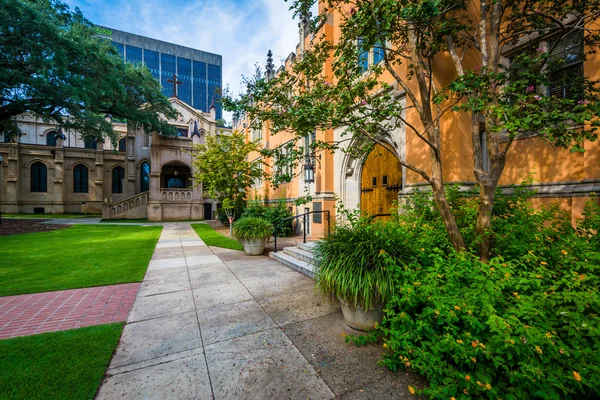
381 179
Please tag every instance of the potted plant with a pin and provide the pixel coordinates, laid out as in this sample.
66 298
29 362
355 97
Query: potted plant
353 265
253 232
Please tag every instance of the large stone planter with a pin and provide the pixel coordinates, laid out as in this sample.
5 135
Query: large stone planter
360 319
254 247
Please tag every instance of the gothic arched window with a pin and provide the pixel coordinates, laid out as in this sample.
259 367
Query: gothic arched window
145 177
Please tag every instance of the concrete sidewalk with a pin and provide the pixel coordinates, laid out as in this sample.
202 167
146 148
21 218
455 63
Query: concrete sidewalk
207 325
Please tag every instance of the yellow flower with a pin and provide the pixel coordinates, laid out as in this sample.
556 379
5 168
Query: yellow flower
548 335
452 398
343 335
516 295
544 263
385 345
473 359
470 312
457 308
467 377
422 249
576 376
459 341
411 390
512 341
437 312
488 386
482 345
473 344
479 383
408 363
537 348
564 252
381 252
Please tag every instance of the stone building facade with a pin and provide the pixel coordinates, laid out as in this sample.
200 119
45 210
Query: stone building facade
149 176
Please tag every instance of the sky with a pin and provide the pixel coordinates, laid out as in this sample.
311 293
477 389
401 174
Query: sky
242 31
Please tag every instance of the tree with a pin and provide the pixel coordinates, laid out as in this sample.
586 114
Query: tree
54 65
497 63
223 168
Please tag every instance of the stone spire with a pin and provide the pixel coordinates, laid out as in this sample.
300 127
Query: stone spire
270 68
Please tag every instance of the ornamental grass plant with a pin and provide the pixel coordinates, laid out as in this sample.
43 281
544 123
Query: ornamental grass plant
353 263
252 228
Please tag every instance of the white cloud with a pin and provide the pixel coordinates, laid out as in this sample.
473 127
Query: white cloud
241 31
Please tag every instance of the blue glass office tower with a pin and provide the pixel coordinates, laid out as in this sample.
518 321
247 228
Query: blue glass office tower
200 72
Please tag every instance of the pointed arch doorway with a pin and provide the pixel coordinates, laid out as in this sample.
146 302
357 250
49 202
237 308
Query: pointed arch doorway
381 179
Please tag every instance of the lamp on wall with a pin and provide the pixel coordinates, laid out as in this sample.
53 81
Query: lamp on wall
309 171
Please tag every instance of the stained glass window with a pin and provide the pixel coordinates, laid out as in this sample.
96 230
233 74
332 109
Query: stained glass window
118 173
145 177
80 179
39 177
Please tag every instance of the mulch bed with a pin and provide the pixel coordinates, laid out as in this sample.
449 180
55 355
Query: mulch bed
20 226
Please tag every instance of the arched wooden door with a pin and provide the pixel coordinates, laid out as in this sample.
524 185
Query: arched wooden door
381 179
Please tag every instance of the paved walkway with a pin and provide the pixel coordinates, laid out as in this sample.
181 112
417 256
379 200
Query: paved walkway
215 323
29 314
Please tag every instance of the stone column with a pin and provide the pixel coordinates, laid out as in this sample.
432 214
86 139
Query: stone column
58 206
154 200
131 171
10 175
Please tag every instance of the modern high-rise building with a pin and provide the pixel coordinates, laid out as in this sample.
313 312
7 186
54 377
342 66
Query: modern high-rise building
199 72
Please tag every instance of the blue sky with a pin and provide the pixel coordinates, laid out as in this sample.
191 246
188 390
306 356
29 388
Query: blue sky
242 31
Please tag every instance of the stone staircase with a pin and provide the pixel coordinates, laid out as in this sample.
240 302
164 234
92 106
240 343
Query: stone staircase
134 207
299 258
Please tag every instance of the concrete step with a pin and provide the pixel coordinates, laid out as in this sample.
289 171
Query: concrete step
308 246
303 267
300 254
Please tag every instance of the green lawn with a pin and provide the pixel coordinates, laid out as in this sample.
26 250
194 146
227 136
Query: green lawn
212 238
58 365
75 257
41 216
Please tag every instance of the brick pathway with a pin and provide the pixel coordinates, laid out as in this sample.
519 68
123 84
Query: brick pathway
29 314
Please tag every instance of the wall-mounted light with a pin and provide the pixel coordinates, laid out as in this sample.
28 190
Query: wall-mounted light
309 171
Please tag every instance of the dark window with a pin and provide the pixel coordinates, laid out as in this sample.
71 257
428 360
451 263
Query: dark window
199 83
80 179
122 144
374 181
118 174
152 62
120 48
133 54
182 132
51 138
384 180
175 183
90 143
167 63
566 67
184 74
145 177
39 177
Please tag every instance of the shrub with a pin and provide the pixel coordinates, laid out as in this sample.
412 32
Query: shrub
353 263
514 329
274 214
252 228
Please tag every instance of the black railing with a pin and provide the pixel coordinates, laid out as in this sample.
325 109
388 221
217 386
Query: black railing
303 216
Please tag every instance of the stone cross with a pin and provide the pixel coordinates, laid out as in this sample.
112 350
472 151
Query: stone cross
175 82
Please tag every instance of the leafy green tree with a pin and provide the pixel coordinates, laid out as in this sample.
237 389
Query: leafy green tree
223 168
54 65
514 67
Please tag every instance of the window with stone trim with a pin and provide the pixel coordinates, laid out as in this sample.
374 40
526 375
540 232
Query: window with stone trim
118 173
80 179
565 79
39 177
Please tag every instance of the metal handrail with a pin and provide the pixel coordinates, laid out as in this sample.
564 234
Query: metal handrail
303 222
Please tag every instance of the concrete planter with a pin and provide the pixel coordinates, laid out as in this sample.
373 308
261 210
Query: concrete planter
254 247
360 319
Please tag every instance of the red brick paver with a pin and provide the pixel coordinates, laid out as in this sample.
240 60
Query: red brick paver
28 314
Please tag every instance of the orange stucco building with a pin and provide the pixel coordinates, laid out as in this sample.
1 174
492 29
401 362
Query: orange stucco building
559 175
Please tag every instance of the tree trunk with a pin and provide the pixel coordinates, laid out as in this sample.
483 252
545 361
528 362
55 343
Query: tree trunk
487 192
444 208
